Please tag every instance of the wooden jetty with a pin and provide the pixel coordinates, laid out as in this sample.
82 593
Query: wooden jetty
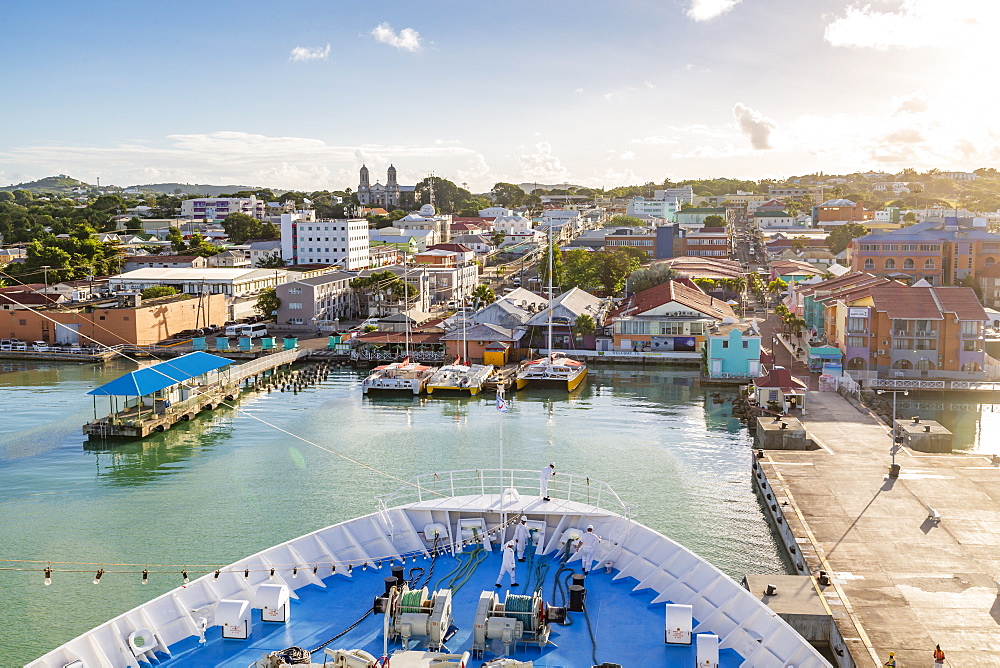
174 396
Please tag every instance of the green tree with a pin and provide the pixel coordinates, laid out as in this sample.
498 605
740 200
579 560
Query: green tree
714 220
555 254
776 287
198 246
799 243
176 240
383 287
240 227
611 268
110 204
497 238
507 195
269 231
483 294
268 303
578 270
448 198
624 221
134 226
271 262
841 235
650 277
909 217
706 284
158 291
584 325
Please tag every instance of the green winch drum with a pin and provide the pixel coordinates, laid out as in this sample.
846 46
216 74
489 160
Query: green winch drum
412 601
521 608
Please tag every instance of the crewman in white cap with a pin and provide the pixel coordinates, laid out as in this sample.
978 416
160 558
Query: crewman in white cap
521 537
586 546
544 476
508 564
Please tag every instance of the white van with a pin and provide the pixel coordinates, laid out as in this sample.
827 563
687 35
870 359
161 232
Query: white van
255 331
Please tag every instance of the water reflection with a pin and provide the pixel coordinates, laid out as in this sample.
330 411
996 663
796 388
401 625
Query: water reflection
974 425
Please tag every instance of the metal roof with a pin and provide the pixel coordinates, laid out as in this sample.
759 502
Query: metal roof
161 376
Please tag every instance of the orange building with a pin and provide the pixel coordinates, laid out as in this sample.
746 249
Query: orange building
111 325
840 212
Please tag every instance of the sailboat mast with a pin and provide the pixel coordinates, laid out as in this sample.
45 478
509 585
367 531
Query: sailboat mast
406 307
551 253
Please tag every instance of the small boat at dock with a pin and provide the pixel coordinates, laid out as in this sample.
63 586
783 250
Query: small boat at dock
459 377
398 376
554 371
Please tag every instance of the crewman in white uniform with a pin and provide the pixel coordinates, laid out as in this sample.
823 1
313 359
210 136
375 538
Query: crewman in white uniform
544 476
521 537
586 546
508 564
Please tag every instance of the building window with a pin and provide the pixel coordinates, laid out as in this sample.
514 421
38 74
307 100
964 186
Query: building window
25 322
890 264
869 263
295 291
294 305
725 344
929 263
746 345
907 263
970 327
857 341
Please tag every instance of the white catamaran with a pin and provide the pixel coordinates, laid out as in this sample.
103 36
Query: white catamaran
555 370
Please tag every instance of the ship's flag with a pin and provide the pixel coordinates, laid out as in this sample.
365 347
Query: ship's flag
501 402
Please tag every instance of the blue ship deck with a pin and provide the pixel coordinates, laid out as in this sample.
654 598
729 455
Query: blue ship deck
628 630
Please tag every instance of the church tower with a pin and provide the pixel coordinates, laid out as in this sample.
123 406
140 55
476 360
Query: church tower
391 187
364 190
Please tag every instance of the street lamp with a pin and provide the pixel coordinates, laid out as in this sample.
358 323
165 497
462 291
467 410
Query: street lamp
894 471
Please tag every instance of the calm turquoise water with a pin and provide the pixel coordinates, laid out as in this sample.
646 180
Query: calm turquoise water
224 486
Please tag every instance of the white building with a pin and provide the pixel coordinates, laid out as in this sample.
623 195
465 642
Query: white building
512 225
342 241
313 301
215 208
684 194
263 250
229 282
495 212
427 218
666 207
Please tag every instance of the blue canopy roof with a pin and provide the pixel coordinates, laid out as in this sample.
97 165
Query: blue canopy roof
825 352
160 376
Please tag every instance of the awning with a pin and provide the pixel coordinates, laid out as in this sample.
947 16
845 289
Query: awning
826 353
161 376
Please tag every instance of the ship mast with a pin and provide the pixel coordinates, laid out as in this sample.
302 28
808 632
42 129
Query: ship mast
550 289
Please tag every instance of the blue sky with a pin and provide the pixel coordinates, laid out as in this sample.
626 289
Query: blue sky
299 94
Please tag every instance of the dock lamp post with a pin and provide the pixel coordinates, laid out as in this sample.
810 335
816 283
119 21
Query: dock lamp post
896 439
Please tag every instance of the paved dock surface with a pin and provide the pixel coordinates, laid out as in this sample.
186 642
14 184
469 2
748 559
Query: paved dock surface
905 582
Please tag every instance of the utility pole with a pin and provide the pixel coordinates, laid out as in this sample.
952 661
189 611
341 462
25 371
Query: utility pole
45 272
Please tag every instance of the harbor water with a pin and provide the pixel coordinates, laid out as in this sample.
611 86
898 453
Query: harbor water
231 483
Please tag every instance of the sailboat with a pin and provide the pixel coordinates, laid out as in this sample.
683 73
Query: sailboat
405 375
459 377
555 370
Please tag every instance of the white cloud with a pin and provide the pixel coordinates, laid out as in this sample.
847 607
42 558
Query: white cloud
406 39
304 53
654 139
912 103
915 23
542 165
241 158
627 155
705 10
754 125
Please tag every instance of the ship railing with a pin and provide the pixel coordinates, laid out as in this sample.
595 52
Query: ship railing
470 482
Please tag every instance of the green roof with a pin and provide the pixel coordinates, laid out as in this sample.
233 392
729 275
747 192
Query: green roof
703 210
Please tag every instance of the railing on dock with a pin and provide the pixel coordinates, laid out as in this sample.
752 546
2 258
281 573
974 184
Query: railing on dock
262 364
563 486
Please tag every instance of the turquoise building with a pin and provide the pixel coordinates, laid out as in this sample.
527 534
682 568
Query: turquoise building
733 352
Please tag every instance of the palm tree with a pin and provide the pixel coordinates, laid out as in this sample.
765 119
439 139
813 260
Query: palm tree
483 294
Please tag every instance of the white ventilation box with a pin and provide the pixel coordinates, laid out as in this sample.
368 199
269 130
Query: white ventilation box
435 530
272 599
679 624
707 650
234 618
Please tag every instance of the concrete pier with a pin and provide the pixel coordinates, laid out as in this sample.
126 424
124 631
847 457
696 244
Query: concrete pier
902 580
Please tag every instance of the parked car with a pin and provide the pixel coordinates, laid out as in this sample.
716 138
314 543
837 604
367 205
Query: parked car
40 347
20 345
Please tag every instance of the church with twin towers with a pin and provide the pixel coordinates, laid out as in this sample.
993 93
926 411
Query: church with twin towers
389 195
